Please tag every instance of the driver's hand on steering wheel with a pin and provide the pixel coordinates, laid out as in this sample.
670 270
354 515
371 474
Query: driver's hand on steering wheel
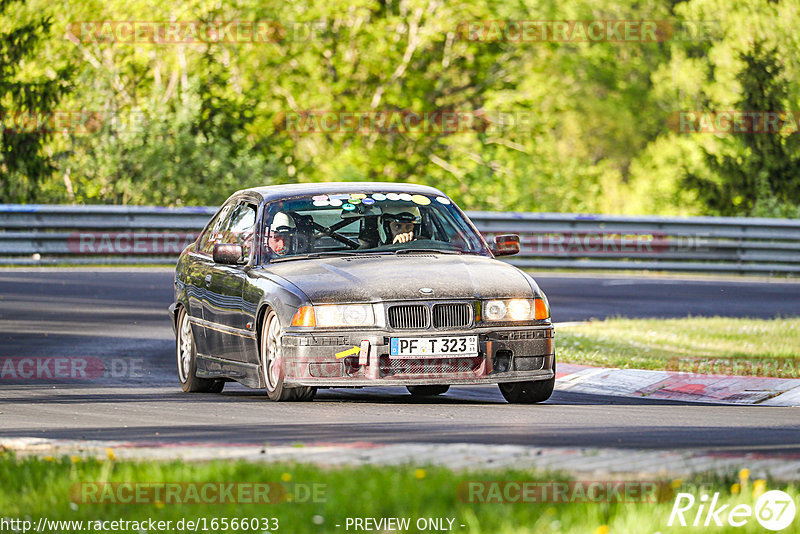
403 238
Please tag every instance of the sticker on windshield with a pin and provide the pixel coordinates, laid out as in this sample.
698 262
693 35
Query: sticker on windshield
379 196
348 207
443 200
421 200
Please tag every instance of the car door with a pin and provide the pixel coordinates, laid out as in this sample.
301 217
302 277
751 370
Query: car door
224 313
198 275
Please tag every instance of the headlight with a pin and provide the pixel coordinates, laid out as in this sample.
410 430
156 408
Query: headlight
515 310
495 310
335 315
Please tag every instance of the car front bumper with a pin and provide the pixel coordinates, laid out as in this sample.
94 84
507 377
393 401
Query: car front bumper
353 359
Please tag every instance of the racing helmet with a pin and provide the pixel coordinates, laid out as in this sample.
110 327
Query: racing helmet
283 228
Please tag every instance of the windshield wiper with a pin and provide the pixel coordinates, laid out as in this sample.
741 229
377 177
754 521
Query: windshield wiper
329 253
425 251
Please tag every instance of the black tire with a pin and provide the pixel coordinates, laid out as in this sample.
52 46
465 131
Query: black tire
272 365
531 392
186 359
427 391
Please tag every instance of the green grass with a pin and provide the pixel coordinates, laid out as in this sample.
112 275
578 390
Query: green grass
40 487
701 344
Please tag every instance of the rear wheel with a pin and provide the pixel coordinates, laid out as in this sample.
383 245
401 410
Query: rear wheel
427 391
273 366
186 354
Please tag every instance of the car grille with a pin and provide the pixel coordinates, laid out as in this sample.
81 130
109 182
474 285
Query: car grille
430 366
451 315
409 317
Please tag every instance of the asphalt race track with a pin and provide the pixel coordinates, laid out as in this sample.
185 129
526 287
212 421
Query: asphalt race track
119 317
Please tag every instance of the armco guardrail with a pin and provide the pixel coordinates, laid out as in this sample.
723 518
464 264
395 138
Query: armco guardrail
42 234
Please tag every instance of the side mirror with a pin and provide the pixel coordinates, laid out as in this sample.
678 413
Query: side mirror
506 244
228 254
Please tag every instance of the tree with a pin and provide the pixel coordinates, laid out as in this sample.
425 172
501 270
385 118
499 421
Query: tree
26 109
761 174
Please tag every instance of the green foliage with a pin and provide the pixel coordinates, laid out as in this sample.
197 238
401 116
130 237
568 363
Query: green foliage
712 345
589 127
24 161
166 157
36 488
762 175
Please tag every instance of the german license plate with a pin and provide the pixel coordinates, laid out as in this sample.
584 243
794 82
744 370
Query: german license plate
433 346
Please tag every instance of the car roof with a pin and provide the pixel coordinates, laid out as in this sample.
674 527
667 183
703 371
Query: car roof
276 192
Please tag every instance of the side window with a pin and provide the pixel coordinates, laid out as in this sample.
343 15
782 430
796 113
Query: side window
214 233
241 228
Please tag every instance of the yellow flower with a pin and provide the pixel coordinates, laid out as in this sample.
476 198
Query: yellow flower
420 473
48 458
735 488
744 474
286 477
75 459
602 529
675 484
159 504
759 487
110 454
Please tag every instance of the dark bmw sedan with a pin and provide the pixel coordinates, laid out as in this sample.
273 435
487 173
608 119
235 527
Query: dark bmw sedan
292 288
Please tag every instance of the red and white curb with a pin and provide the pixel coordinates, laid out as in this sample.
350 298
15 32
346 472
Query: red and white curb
671 385
614 463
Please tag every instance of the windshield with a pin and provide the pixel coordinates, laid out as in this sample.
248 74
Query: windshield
355 223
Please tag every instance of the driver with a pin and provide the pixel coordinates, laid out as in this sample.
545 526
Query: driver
281 234
399 223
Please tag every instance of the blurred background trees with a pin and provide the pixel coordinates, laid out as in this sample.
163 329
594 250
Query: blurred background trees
186 124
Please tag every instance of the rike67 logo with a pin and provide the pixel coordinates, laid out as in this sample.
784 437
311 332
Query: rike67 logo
774 510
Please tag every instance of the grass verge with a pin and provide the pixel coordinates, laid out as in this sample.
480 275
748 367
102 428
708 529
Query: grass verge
714 345
35 488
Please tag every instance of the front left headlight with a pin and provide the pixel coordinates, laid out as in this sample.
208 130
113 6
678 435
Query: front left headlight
515 309
344 315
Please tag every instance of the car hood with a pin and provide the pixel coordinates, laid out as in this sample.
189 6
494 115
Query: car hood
400 277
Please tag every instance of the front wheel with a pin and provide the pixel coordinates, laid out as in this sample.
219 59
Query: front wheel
528 392
186 354
427 391
273 367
